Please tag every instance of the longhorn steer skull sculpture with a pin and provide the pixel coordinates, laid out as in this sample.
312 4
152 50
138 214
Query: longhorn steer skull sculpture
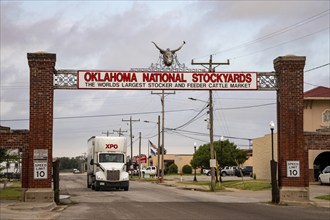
168 55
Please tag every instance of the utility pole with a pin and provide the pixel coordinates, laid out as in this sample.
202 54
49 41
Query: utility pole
211 69
107 133
163 127
158 153
120 132
131 133
139 155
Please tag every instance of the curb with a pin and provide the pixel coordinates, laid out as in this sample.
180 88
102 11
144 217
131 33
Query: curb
185 187
34 206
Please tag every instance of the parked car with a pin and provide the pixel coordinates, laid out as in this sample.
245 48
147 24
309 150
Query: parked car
228 171
75 171
324 177
149 170
246 171
206 171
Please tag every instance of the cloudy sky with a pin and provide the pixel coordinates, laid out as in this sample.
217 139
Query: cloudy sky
117 35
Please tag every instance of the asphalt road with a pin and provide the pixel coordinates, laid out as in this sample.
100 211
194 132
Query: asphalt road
153 201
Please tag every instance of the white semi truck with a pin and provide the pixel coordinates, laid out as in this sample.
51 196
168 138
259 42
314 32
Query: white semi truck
106 163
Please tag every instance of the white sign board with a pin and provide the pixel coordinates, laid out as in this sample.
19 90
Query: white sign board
213 163
40 169
127 80
293 168
40 154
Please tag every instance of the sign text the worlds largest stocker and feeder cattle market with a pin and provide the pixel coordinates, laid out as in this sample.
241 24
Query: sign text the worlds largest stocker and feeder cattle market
129 80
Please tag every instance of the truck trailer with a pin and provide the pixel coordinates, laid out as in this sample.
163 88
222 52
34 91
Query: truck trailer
106 163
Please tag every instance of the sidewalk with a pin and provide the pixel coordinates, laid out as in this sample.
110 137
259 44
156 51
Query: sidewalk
16 210
258 196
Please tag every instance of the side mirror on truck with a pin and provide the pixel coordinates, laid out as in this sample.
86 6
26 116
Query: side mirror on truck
92 162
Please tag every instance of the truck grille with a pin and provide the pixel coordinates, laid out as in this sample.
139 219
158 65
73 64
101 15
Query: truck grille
113 175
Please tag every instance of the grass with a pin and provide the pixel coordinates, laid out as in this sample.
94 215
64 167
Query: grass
12 192
325 197
136 178
253 185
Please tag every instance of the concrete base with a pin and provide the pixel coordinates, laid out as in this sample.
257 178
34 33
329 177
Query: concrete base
294 195
39 195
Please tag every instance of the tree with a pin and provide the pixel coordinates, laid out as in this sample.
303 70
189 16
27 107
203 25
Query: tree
68 163
186 169
226 152
3 154
173 169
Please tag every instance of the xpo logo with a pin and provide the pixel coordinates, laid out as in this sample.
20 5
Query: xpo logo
109 146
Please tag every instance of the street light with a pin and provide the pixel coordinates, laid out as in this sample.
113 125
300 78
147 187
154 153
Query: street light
195 179
158 154
272 125
273 166
221 141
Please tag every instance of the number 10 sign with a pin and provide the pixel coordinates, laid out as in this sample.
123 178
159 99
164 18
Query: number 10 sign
40 169
293 168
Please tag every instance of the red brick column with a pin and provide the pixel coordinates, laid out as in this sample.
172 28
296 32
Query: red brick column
42 69
290 74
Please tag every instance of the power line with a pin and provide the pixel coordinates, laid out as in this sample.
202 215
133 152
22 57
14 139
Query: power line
281 31
131 132
280 44
243 107
205 134
318 67
107 133
273 34
120 132
191 120
193 138
139 113
311 84
110 115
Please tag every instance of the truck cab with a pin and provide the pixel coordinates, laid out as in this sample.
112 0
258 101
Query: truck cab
107 163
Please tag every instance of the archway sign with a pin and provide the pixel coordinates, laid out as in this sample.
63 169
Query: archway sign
166 74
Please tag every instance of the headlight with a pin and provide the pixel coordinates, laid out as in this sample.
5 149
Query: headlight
99 176
125 176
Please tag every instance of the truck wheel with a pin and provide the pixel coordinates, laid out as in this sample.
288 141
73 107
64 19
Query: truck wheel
88 185
97 188
224 174
126 188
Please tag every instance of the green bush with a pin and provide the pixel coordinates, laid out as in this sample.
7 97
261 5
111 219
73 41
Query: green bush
173 169
187 169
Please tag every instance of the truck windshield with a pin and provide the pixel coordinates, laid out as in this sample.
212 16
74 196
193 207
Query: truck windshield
108 157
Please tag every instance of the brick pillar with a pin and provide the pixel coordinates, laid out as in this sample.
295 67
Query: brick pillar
42 69
290 79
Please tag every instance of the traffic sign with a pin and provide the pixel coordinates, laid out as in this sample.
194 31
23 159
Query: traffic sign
40 169
293 168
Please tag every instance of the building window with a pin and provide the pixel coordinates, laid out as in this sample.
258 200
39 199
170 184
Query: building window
326 116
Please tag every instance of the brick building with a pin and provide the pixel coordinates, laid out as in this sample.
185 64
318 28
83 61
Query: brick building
179 159
316 137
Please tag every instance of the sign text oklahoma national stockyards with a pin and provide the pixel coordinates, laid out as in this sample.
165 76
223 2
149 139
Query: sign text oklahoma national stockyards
126 80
